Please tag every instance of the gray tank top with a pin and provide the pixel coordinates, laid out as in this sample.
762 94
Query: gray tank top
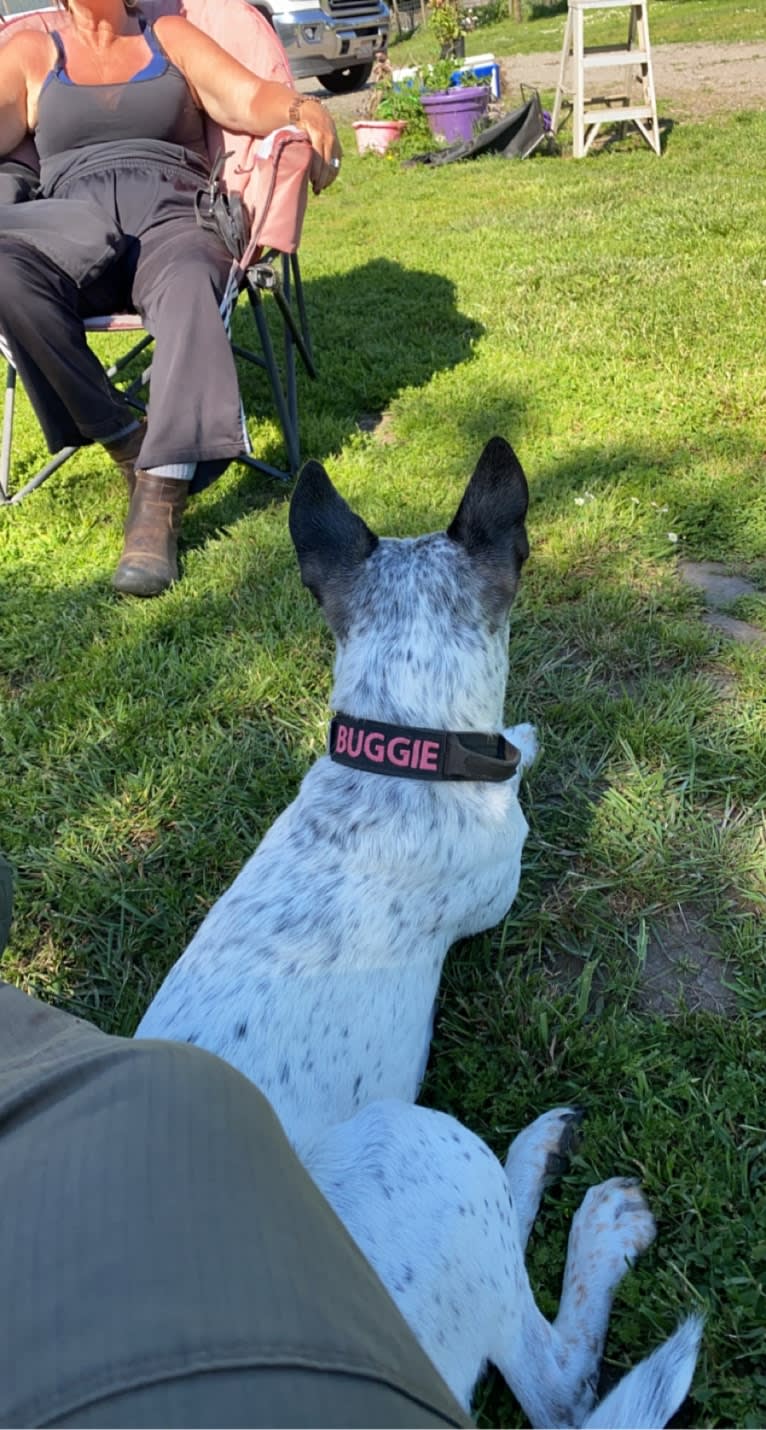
90 123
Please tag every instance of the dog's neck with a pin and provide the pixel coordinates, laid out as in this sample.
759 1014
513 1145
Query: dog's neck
463 690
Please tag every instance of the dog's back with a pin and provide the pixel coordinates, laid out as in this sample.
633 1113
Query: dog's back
316 973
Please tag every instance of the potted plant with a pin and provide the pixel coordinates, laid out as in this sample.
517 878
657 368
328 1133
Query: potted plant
453 110
388 110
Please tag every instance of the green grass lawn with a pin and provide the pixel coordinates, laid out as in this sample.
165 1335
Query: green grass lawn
670 22
608 318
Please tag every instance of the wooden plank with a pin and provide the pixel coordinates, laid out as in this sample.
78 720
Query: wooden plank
619 115
601 4
620 58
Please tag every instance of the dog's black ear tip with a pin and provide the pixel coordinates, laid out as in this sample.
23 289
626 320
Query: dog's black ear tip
312 492
497 446
311 468
312 475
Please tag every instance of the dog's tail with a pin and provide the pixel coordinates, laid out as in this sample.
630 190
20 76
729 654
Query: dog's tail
648 1395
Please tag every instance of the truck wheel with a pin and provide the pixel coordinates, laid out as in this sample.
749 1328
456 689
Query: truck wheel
343 81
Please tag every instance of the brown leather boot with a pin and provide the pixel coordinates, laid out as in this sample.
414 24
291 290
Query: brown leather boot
148 563
124 454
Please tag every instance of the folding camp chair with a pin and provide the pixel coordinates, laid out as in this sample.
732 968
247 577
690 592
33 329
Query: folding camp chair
271 178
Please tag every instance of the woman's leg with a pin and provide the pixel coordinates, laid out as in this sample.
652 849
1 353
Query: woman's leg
41 322
166 1260
194 403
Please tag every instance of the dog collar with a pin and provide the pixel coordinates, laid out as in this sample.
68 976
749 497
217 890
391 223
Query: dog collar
412 753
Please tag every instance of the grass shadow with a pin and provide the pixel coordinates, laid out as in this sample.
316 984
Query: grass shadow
546 9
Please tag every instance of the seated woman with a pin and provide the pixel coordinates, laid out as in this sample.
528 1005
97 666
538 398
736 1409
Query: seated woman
116 108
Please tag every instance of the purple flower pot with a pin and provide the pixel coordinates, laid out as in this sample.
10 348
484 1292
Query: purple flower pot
452 113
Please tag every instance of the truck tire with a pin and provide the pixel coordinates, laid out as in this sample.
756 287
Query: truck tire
343 81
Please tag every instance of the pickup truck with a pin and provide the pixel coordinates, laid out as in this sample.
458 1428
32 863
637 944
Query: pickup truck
333 41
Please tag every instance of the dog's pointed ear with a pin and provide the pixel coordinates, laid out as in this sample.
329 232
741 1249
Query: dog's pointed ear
489 523
330 540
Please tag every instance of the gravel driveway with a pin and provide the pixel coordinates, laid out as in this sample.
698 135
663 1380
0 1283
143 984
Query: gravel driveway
695 80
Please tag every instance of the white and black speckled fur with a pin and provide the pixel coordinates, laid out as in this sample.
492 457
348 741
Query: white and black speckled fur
316 973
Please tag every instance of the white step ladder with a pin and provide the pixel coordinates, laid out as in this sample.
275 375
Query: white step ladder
634 58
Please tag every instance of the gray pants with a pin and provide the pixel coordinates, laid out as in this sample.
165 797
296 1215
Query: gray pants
164 1258
173 274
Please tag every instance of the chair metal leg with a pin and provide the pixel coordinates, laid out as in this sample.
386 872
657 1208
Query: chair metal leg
286 288
291 390
562 93
5 450
264 276
303 317
129 356
58 460
44 473
288 429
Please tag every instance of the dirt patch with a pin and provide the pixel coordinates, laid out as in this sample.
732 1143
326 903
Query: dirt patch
693 81
379 423
684 969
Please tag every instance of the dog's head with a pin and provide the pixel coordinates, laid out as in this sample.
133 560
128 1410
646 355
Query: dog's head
421 624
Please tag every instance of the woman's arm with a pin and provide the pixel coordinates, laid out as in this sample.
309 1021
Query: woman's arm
15 58
237 99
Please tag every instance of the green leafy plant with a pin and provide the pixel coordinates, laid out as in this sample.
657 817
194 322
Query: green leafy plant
436 78
444 21
402 103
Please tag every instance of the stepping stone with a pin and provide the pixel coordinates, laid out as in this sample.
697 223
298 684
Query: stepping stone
712 579
738 630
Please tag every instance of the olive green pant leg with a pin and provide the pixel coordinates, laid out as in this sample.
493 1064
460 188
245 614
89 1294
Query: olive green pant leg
165 1260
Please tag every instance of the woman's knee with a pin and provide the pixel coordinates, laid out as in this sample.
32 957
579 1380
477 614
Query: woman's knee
199 269
26 279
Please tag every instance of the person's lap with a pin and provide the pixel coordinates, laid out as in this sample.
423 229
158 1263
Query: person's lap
166 1260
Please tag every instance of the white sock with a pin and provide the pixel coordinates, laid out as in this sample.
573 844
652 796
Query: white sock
181 471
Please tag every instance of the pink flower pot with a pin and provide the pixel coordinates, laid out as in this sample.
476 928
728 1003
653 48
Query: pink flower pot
452 113
376 134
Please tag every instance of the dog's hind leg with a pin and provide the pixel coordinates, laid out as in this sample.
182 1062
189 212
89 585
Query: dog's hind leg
433 1211
537 1157
430 1207
553 1369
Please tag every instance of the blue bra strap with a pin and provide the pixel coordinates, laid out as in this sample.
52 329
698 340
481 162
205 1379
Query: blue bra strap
158 63
56 72
60 51
154 67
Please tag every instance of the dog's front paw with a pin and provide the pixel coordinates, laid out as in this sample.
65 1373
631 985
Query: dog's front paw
538 1156
611 1228
524 737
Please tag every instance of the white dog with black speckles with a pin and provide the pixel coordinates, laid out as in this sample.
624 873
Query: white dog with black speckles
317 972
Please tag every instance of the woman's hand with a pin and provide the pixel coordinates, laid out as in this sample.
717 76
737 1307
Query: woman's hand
311 115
